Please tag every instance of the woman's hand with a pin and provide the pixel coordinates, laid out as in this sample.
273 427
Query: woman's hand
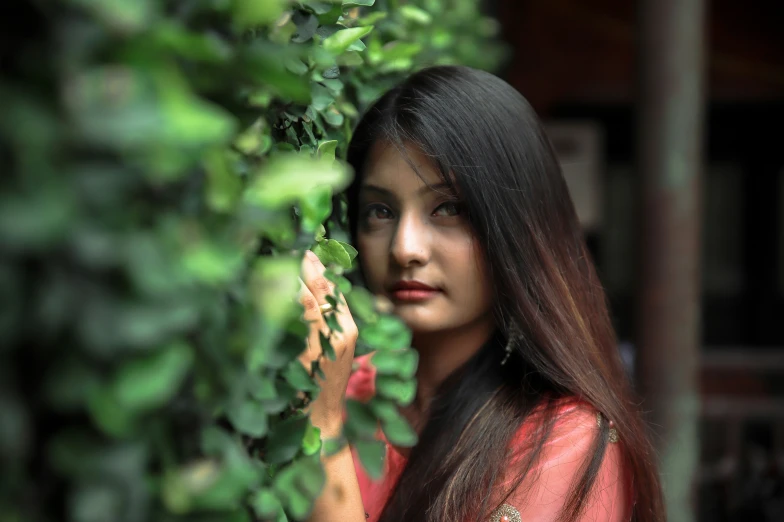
326 412
340 500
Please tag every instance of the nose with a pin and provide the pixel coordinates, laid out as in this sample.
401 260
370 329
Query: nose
411 243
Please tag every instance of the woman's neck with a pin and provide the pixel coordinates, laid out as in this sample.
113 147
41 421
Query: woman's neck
440 354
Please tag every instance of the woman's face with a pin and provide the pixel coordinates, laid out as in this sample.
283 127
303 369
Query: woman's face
416 247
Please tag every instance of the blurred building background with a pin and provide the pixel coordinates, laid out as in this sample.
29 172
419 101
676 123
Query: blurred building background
578 63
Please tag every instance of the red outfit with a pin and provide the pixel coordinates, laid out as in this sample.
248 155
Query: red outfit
541 498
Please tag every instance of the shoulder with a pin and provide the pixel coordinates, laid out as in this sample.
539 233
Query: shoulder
571 436
567 421
569 446
576 425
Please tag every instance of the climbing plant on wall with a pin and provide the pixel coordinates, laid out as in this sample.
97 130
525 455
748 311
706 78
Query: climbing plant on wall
166 164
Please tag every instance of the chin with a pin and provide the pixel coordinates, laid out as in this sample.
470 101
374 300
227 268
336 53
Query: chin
422 321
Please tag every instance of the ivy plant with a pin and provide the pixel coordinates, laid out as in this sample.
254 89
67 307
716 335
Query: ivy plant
166 164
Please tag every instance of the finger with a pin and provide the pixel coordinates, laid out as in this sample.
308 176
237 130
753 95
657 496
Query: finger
313 273
312 315
313 276
310 305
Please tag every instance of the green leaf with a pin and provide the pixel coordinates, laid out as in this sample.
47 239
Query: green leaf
315 207
261 388
326 149
340 41
320 233
286 178
263 64
325 31
35 219
333 446
282 352
92 501
334 252
296 66
330 80
338 253
248 417
332 322
296 375
415 14
237 476
273 224
306 26
322 97
125 16
108 414
401 51
253 13
398 431
70 384
360 418
400 363
326 347
179 486
212 263
312 483
217 442
329 13
136 323
350 59
358 3
285 440
224 186
335 86
371 454
294 485
151 381
321 252
189 120
201 47
372 18
362 305
311 442
320 7
402 392
274 283
343 284
156 114
358 46
387 332
284 395
333 117
265 504
350 250
384 409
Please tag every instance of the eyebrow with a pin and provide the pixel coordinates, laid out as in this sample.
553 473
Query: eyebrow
426 188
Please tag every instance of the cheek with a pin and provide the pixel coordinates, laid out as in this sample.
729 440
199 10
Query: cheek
463 257
372 255
473 271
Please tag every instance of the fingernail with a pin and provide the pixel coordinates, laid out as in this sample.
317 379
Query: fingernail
311 255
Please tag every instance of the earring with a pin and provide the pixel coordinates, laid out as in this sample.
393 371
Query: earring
512 338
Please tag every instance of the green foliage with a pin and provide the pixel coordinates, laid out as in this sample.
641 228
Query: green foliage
166 163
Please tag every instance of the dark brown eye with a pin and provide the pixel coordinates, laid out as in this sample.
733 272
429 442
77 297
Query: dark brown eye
377 212
451 208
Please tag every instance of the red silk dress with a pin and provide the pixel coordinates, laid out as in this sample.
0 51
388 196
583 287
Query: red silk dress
538 500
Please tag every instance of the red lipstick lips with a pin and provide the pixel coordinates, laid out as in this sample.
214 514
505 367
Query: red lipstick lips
412 291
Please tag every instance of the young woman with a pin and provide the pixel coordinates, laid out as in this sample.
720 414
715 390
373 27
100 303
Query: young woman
463 221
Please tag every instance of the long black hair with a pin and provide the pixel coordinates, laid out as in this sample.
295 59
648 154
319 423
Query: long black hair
482 136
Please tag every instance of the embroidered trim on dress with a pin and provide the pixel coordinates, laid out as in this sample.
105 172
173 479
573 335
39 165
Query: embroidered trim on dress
505 513
613 433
